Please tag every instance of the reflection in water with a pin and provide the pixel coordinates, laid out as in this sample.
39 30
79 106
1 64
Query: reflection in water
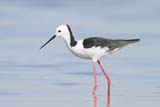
96 101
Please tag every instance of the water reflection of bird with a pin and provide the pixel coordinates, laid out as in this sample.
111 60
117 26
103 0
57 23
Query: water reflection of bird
91 48
95 101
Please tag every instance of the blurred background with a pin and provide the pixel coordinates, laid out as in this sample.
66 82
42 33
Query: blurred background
54 77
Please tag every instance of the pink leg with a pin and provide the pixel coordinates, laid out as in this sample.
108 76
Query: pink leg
107 77
95 78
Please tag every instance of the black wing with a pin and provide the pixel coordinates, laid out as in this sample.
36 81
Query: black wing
104 42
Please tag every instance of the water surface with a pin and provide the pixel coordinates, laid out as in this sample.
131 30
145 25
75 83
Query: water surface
53 77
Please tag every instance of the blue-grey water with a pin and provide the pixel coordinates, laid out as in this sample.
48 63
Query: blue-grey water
53 77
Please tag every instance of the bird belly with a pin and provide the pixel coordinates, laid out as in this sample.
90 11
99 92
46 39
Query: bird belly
81 54
93 53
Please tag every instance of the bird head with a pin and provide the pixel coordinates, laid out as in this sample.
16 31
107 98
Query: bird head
61 31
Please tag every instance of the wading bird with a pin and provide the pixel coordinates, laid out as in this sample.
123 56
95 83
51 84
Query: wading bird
92 48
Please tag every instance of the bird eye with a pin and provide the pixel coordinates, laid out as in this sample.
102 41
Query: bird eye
59 31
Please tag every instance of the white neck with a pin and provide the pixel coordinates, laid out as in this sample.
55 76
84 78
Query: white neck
67 39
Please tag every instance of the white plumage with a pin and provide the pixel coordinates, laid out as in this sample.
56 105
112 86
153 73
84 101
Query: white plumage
93 53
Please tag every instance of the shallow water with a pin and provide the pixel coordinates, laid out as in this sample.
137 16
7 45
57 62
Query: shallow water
53 77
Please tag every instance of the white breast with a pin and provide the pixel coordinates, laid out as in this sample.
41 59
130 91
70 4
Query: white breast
93 53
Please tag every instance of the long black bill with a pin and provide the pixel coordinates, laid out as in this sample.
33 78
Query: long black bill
48 41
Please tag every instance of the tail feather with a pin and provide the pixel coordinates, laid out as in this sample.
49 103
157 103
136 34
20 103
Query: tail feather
132 40
122 43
